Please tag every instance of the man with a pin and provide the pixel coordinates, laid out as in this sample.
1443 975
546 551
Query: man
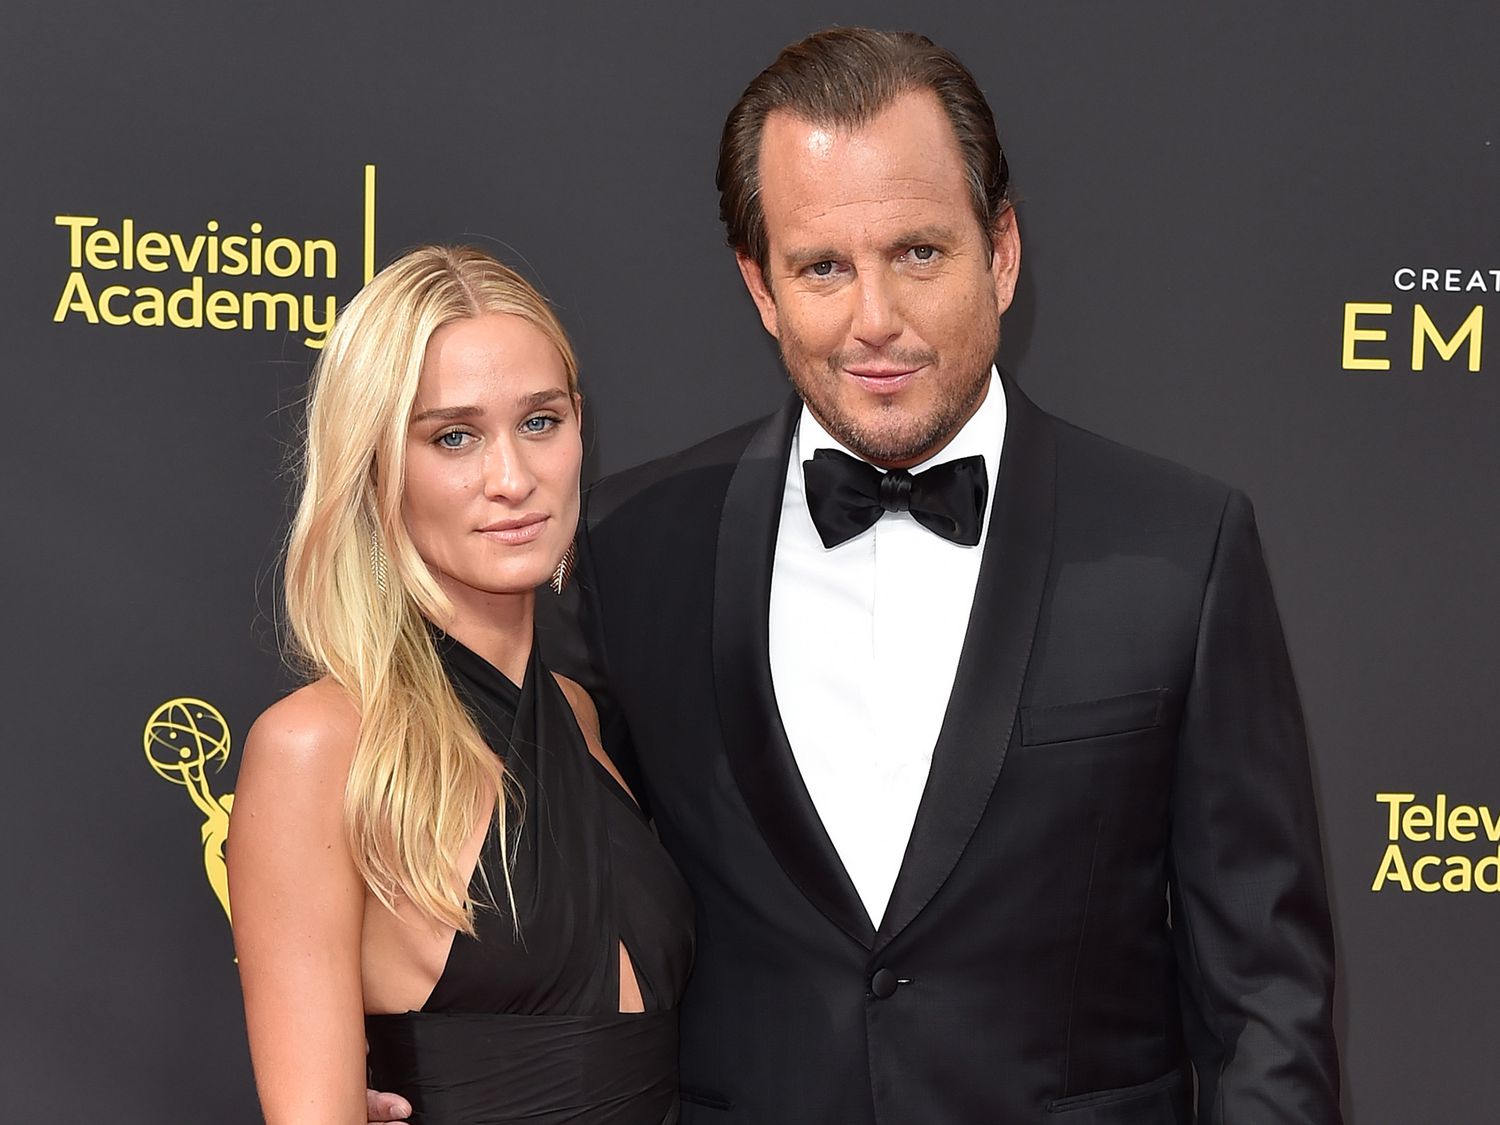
974 733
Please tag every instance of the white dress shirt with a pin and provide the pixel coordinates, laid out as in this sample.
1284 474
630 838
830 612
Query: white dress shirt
865 642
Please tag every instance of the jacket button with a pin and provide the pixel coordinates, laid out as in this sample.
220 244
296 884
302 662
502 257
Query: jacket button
883 984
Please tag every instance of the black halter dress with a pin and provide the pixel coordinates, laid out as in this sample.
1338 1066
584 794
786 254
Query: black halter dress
525 1026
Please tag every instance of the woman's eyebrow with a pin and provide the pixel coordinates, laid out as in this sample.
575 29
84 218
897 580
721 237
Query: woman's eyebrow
449 413
542 398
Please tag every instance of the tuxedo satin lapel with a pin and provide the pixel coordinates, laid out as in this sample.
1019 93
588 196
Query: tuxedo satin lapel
981 711
760 757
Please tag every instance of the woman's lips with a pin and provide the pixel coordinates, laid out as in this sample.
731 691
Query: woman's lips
512 532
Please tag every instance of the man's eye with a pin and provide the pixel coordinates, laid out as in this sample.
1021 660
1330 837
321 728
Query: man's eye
822 269
923 253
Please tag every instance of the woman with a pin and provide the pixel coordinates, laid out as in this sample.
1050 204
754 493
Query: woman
430 851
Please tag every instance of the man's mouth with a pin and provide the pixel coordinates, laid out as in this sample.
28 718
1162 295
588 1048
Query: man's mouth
882 380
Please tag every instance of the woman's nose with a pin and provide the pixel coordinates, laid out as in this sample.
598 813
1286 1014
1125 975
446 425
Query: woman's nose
507 476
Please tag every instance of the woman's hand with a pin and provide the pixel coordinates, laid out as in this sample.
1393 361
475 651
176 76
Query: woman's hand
385 1107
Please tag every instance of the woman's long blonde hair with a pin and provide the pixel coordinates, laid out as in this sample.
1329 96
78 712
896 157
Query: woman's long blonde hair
358 596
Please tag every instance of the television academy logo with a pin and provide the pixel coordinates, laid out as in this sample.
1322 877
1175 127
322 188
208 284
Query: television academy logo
124 273
1441 845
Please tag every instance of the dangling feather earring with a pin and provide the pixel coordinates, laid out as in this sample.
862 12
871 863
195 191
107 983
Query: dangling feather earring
377 563
564 571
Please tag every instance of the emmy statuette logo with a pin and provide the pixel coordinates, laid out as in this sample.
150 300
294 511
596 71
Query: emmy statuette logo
183 739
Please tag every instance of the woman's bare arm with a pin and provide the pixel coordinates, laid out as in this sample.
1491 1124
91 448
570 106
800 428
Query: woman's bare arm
298 905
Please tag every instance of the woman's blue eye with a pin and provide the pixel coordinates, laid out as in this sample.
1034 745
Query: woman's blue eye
453 439
538 424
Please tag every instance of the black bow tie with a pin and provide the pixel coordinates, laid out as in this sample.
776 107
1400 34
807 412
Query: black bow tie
846 496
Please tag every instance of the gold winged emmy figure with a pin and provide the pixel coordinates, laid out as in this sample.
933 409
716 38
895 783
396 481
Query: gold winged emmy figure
183 737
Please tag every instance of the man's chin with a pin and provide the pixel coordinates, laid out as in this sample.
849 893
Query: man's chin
883 429
892 447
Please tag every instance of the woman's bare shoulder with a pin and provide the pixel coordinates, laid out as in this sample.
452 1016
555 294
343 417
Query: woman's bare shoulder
313 729
582 704
588 722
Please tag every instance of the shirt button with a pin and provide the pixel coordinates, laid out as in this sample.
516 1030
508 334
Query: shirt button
883 984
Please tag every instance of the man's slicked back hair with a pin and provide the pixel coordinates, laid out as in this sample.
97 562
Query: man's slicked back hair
845 77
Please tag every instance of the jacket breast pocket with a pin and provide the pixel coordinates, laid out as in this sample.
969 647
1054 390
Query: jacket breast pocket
1094 718
1159 1102
695 1098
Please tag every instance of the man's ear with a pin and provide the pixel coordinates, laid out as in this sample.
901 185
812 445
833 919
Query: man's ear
1005 257
760 292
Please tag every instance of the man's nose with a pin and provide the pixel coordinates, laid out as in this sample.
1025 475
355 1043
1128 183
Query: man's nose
877 316
507 475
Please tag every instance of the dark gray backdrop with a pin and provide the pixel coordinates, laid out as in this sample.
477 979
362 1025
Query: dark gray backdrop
1203 193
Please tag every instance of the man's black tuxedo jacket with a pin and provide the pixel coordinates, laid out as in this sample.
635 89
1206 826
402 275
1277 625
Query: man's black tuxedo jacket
1115 870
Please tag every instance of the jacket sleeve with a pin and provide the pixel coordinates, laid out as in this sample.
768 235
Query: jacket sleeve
1249 906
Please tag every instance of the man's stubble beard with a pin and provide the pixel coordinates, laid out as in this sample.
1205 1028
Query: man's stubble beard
921 435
